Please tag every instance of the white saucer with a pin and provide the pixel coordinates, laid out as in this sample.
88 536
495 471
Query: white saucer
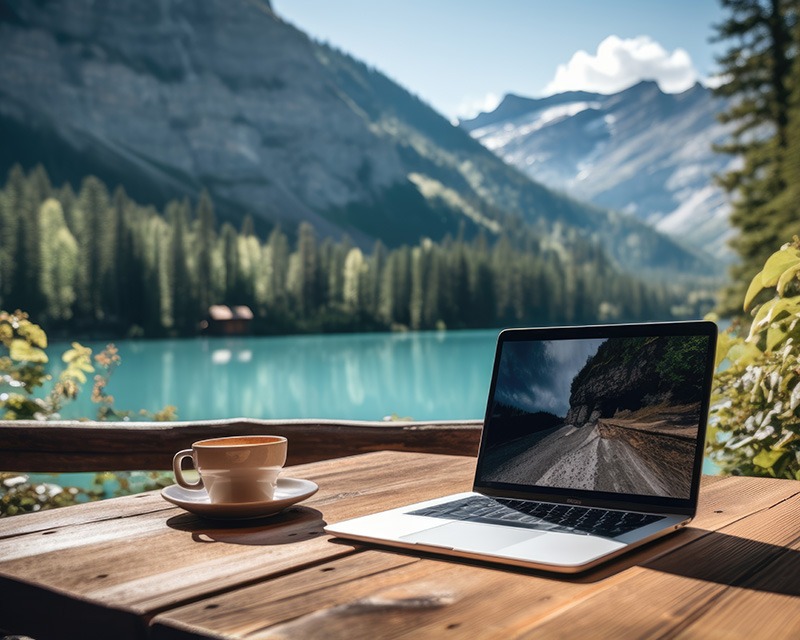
287 492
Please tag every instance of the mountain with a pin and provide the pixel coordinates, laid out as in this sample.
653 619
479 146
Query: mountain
640 151
171 96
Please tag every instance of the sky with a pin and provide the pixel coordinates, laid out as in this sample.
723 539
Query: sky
537 376
463 56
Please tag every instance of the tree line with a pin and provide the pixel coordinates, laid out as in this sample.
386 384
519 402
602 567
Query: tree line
95 262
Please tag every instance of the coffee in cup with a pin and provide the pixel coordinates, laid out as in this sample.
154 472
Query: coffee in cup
234 469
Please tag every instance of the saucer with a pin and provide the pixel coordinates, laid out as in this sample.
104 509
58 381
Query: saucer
287 492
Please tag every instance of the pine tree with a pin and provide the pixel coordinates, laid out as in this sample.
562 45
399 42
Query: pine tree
758 70
125 291
39 186
352 290
789 200
183 304
10 250
249 269
59 252
230 253
373 276
248 227
276 269
386 295
94 240
332 257
156 312
37 189
206 239
308 294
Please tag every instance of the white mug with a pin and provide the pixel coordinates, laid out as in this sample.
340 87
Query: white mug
235 469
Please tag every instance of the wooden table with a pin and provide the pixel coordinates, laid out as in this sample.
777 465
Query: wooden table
139 567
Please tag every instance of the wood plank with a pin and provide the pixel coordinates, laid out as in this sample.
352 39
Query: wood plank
127 565
89 512
763 598
725 500
121 446
375 594
734 583
435 597
139 563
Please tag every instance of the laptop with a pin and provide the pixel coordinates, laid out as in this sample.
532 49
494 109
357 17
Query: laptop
592 445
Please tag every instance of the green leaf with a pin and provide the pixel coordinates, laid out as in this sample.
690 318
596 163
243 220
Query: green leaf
73 373
775 335
743 354
777 264
33 333
768 458
22 351
772 310
786 277
753 290
724 343
79 358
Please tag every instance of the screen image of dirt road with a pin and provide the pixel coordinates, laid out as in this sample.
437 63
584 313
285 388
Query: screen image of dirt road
619 415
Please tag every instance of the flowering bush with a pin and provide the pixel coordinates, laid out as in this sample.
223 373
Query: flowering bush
755 413
22 372
22 376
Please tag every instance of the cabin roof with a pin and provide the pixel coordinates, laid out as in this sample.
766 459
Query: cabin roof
221 312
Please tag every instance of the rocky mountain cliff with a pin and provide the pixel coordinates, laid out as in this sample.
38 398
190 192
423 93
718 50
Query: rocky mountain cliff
628 375
167 97
641 151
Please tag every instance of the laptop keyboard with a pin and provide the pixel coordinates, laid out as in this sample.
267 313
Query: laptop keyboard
540 515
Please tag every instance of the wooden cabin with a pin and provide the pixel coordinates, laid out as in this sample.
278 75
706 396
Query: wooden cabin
228 321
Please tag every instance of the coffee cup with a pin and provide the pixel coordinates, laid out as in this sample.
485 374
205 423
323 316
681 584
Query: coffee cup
234 469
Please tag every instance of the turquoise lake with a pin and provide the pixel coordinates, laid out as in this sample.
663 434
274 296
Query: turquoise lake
424 376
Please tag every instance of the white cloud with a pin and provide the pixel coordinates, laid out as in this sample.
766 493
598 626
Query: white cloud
471 107
619 64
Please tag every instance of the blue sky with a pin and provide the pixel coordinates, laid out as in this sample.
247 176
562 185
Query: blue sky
462 56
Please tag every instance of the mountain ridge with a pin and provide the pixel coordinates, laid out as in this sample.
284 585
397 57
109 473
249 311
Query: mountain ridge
641 151
168 98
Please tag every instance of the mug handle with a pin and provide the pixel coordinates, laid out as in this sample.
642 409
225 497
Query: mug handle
176 469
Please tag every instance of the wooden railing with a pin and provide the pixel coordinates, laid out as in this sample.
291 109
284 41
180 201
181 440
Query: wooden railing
123 446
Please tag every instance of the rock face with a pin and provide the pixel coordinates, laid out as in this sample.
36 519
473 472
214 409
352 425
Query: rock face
180 95
167 97
641 151
634 375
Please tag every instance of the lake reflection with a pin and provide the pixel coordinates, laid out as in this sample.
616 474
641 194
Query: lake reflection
426 376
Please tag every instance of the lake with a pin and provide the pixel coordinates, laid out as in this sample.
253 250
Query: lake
420 375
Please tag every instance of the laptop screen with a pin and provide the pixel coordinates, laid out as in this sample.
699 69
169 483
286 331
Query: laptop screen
620 415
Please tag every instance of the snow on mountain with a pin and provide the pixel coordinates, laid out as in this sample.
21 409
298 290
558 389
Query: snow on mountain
640 151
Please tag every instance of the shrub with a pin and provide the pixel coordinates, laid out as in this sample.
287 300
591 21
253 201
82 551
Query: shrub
22 373
22 376
755 414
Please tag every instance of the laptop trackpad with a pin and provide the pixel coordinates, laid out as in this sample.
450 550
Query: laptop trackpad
472 536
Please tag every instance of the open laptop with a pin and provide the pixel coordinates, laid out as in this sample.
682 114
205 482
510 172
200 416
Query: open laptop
592 445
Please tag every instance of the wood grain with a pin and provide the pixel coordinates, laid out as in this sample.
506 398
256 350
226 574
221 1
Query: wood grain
138 567
121 446
377 594
435 598
740 582
139 562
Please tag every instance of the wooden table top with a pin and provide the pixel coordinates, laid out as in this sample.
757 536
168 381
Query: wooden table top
139 567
